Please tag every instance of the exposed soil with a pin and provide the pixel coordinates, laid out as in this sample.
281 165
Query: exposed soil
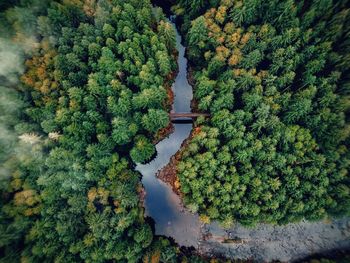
163 133
168 173
263 243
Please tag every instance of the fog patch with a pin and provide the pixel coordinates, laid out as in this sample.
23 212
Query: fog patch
15 148
11 61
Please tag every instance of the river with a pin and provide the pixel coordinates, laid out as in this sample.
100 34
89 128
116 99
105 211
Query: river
161 203
262 243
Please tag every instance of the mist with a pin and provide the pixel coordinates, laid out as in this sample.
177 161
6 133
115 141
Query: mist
11 62
13 149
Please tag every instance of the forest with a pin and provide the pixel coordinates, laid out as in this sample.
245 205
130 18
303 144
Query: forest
88 103
85 92
275 78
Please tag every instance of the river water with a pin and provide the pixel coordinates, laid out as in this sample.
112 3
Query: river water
262 243
161 203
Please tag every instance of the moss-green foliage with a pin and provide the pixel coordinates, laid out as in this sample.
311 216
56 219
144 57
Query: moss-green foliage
143 150
274 77
94 87
21 163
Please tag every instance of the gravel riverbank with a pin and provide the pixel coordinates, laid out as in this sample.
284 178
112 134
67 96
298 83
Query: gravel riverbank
284 243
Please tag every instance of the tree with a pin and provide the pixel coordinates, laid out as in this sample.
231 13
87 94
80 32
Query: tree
198 37
143 150
108 31
75 197
276 130
154 120
166 30
149 98
121 134
163 63
144 235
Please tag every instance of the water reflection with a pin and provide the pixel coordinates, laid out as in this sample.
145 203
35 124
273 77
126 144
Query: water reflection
262 243
162 204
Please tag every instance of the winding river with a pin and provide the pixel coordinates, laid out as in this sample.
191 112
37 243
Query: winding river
262 243
161 203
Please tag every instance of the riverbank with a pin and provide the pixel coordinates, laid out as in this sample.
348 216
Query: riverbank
165 132
161 203
168 174
265 243
262 243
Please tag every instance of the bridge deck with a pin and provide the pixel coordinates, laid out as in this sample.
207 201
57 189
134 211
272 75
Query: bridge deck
174 115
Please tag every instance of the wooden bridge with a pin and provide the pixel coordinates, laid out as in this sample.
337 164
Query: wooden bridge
185 117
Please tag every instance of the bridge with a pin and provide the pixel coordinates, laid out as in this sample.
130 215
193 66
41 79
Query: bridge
185 117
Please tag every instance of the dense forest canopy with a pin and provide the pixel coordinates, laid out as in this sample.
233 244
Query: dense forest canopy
84 96
275 78
91 100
